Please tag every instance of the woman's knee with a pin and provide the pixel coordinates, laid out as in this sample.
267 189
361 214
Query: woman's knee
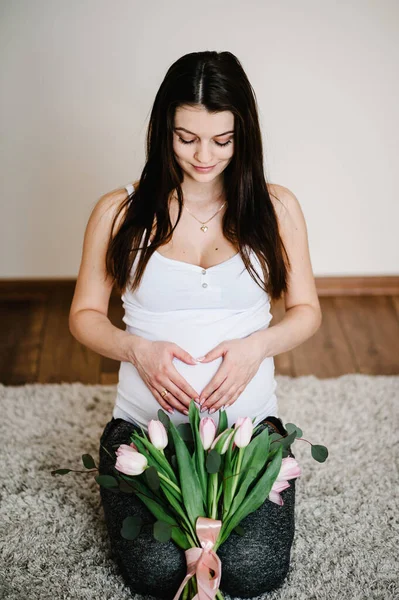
259 561
147 565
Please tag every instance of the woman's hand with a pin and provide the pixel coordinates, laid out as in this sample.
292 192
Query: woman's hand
241 361
153 361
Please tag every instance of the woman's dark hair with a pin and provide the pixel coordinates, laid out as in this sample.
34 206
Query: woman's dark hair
217 81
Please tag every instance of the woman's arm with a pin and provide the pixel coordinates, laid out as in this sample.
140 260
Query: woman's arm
88 320
303 314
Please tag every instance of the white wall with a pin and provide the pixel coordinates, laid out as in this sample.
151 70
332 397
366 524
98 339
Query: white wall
78 79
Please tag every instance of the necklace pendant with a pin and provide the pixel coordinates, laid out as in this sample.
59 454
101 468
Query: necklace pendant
204 228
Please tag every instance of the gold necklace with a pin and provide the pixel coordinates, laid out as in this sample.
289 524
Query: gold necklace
203 225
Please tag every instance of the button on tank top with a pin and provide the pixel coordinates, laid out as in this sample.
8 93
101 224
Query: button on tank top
197 309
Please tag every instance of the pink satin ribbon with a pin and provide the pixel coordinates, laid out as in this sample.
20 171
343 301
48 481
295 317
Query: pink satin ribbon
201 560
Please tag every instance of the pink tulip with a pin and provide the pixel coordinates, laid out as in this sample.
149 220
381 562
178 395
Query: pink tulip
131 462
278 486
124 449
290 469
226 443
158 434
207 432
133 445
244 429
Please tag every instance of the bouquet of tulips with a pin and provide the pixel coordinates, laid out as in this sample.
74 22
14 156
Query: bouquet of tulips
200 482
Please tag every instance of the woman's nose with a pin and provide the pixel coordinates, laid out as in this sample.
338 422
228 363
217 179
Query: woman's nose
203 155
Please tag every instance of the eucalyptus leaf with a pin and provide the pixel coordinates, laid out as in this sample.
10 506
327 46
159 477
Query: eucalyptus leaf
161 510
290 427
213 461
61 471
319 453
131 527
88 461
106 481
240 530
162 531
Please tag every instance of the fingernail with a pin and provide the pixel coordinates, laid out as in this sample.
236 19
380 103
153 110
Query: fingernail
212 410
200 358
203 408
185 412
171 410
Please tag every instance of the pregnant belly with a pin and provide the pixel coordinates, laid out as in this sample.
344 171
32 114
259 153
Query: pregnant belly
257 400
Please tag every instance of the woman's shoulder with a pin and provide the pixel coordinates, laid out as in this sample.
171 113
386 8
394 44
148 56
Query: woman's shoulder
283 199
112 205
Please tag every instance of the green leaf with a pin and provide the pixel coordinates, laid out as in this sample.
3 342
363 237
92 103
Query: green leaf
88 461
155 458
228 479
131 527
198 456
126 487
275 437
254 499
174 461
152 478
240 530
290 427
254 462
160 508
189 481
163 417
162 531
185 432
256 454
61 471
319 453
222 422
285 441
213 461
107 481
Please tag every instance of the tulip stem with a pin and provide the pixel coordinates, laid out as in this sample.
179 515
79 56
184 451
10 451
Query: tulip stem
237 471
169 482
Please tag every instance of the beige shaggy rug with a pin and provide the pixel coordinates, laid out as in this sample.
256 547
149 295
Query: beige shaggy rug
53 541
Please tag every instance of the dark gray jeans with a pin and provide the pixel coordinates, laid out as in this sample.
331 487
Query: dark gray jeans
252 564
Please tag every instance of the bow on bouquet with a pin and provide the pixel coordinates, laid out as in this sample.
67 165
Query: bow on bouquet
200 483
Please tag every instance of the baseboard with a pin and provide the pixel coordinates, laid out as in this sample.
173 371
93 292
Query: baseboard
326 286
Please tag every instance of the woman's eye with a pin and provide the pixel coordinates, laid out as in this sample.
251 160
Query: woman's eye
192 141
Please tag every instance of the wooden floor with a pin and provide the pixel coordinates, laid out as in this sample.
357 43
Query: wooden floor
359 334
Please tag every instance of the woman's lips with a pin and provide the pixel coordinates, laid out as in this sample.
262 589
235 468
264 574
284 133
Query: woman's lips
204 169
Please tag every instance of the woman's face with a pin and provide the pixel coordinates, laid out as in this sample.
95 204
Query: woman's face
202 139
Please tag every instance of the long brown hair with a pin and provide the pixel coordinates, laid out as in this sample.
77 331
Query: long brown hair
217 81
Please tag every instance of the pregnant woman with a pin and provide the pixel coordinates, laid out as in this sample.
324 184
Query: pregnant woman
198 247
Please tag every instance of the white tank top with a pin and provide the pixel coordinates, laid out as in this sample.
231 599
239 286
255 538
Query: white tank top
197 309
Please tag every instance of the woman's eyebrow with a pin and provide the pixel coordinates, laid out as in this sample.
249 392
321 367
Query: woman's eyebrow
187 131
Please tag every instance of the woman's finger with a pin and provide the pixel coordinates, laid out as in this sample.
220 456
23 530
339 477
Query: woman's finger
219 395
167 401
181 400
